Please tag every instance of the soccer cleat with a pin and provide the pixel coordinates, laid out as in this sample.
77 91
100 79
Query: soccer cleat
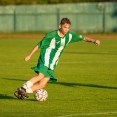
19 96
21 93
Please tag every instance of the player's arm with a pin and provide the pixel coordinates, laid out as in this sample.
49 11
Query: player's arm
87 39
31 53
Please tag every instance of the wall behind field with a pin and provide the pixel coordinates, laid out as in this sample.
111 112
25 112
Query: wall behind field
85 17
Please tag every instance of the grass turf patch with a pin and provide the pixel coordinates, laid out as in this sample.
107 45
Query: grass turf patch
86 83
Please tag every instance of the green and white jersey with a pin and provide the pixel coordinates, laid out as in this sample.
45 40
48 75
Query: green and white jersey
52 46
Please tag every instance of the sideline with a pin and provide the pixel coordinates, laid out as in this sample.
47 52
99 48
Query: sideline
88 114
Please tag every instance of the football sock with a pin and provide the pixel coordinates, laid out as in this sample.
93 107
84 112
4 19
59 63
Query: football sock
29 90
27 85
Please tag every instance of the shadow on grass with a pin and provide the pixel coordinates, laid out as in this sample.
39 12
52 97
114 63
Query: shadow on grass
5 96
83 85
72 84
34 100
100 53
14 79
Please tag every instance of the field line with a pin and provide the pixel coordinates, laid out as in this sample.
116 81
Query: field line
70 62
88 114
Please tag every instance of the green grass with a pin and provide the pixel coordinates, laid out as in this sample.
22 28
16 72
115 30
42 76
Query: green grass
86 86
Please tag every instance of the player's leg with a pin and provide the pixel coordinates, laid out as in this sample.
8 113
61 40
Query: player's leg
21 92
33 80
43 82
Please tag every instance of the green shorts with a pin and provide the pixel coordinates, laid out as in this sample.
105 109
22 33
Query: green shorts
48 73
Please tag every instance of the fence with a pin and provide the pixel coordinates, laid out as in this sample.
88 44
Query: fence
85 17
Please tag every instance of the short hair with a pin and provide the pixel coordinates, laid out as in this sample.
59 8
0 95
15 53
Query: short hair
65 20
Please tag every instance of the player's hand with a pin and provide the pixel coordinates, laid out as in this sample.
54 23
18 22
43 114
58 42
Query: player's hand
97 42
27 58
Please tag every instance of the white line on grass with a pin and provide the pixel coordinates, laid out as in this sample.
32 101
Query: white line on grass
82 114
71 62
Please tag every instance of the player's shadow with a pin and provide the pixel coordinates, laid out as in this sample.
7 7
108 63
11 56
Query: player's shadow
84 85
100 53
71 84
5 96
14 79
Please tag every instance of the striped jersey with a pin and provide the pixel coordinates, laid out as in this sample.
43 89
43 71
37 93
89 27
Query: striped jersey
52 46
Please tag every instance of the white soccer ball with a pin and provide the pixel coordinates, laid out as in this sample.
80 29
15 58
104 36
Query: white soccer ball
41 95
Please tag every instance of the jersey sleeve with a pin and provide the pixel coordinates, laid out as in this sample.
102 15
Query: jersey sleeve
44 42
76 37
39 44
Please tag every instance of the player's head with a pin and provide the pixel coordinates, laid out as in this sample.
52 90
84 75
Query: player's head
64 25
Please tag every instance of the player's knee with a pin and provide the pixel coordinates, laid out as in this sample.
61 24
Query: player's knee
43 86
43 83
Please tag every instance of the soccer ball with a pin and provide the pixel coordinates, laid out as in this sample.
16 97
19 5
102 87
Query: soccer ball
41 95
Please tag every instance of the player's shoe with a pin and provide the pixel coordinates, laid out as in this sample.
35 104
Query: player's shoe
19 96
21 93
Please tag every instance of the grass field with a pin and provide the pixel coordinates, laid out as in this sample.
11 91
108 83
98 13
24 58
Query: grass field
86 86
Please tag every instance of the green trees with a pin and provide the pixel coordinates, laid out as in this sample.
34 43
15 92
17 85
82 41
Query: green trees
30 2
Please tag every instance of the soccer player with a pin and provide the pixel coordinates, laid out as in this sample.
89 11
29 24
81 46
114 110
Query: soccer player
51 48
